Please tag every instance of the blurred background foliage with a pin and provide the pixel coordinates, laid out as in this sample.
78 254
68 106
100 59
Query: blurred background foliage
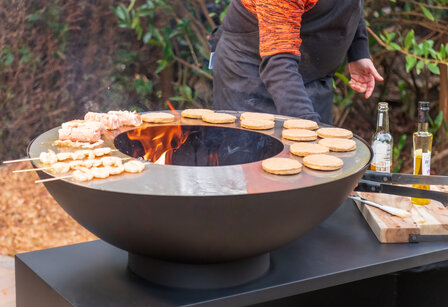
60 59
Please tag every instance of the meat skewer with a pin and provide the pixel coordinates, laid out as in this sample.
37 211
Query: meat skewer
110 121
128 118
59 168
75 155
81 131
77 164
84 174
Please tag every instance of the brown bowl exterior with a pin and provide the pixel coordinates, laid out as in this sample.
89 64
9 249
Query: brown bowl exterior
207 229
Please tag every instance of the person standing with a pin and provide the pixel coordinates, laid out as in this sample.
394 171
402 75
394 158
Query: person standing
280 56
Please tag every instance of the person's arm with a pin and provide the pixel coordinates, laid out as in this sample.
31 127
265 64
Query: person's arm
362 71
280 74
279 24
359 48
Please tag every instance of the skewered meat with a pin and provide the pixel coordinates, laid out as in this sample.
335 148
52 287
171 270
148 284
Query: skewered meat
111 161
81 154
81 131
91 163
83 174
128 118
134 166
110 121
77 164
116 170
62 156
100 172
79 123
76 144
60 168
49 157
99 152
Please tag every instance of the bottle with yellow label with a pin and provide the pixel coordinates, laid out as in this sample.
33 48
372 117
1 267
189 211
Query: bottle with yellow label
422 140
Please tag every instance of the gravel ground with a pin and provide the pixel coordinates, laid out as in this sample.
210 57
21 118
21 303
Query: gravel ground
30 218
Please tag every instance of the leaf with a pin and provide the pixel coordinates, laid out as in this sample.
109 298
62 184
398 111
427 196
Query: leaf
223 14
162 64
434 68
402 141
120 11
408 40
342 77
419 66
395 46
410 62
187 91
147 37
139 31
427 13
9 59
177 98
442 52
135 22
439 120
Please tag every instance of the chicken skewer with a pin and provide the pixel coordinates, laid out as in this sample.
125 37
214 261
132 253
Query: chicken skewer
48 157
84 174
57 168
76 164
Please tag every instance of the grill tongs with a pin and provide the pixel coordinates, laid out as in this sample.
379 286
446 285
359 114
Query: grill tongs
376 182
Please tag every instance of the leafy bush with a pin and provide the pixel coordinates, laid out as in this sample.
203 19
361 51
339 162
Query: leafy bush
60 59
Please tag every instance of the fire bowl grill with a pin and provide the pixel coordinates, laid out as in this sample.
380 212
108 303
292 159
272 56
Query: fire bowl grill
174 218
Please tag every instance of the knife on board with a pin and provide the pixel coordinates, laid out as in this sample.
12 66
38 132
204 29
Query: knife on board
405 178
377 187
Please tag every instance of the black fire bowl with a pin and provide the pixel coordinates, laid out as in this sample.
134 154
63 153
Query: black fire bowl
176 219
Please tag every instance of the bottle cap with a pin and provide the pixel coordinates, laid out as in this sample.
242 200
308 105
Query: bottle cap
423 105
383 106
423 111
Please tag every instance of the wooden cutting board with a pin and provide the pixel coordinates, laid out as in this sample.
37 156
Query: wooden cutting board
431 219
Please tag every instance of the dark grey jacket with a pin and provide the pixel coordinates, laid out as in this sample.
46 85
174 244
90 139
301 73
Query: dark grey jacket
285 83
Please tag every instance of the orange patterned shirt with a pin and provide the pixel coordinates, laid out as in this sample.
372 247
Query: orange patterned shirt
279 24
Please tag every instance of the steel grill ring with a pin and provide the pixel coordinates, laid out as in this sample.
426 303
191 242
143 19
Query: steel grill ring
205 214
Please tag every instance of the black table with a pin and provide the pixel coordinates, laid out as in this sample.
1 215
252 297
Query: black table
340 261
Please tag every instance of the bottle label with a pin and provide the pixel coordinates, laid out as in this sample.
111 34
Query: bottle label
426 163
382 156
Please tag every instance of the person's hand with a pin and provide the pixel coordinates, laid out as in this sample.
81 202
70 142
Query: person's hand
363 75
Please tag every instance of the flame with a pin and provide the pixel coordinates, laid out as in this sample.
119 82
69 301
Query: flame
160 142
161 160
171 107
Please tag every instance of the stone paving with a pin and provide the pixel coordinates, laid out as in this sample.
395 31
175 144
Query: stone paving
7 282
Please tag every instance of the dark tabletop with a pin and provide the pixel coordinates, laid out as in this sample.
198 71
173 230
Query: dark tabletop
340 250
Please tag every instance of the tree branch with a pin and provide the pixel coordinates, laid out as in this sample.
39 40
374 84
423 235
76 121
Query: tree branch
382 43
197 69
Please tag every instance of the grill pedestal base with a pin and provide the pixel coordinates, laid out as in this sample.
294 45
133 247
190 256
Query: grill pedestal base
199 276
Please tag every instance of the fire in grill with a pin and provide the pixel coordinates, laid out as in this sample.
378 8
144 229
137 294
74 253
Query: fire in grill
197 145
